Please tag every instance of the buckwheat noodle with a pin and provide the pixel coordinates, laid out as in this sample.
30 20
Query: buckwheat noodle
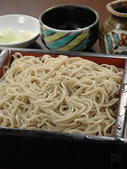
71 95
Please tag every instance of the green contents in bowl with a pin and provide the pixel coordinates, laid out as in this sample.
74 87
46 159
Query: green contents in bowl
13 36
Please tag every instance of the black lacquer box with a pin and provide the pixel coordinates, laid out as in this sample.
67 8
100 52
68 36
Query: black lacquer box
50 150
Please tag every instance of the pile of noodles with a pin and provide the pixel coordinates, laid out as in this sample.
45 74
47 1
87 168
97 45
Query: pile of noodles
62 94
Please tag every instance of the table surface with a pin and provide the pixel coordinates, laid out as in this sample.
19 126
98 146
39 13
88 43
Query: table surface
36 7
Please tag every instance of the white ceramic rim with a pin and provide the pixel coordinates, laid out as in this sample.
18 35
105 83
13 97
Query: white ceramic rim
70 30
26 41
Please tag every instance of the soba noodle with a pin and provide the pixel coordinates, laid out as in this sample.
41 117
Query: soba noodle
71 95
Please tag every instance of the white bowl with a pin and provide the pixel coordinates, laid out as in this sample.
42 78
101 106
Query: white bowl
20 23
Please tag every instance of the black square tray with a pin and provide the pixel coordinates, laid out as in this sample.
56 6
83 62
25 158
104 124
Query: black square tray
50 150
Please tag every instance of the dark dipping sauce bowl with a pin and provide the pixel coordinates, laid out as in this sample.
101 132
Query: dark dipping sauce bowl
69 27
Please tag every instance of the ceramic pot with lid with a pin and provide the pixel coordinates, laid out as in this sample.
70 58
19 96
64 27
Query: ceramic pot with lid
113 33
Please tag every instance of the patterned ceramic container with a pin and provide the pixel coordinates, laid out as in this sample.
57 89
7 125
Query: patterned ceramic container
113 33
69 27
